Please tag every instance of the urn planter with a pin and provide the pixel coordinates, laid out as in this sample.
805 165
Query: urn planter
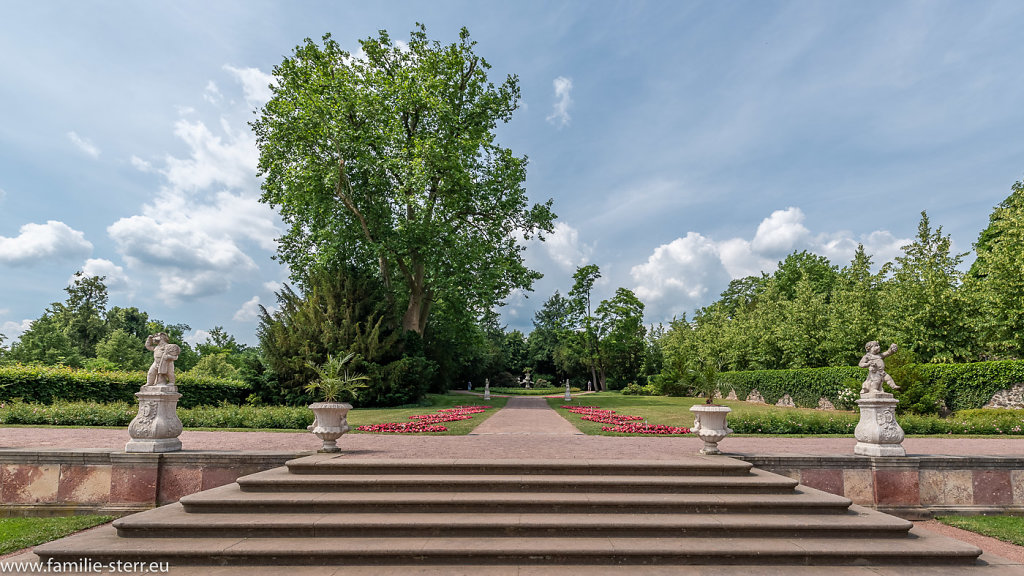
709 423
331 422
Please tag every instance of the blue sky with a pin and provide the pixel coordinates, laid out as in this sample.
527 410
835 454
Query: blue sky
684 143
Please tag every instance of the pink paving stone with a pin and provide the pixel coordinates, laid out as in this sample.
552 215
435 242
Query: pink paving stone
825 479
992 487
176 482
133 484
897 487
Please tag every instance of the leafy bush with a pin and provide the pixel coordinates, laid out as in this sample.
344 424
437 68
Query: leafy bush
49 384
634 389
971 385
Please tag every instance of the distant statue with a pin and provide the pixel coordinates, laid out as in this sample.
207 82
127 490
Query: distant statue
164 355
874 361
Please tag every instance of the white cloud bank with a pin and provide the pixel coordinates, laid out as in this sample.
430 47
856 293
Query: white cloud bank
194 236
114 276
36 243
691 271
559 116
84 144
249 311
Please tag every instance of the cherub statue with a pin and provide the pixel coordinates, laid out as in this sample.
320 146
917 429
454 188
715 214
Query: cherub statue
875 363
164 355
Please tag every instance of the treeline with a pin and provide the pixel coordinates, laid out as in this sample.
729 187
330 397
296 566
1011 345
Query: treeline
810 313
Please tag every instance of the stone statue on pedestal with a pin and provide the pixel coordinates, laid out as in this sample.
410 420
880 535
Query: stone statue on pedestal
878 433
156 427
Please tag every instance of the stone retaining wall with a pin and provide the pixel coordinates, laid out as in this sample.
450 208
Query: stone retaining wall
59 482
912 487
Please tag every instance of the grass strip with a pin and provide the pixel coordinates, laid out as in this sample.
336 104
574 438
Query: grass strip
1006 528
19 533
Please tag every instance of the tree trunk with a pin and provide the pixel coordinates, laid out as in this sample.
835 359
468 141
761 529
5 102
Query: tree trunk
420 300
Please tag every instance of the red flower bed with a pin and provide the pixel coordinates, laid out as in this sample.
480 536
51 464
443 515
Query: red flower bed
622 423
426 422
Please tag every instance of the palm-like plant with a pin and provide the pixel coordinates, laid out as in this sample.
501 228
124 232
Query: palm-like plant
335 380
703 377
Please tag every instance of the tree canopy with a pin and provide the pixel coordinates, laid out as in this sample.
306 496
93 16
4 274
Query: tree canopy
387 161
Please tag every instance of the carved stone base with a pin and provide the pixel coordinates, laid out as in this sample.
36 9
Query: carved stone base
156 427
878 433
153 446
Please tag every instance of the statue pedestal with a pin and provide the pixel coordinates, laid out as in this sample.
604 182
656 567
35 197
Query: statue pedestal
878 433
156 427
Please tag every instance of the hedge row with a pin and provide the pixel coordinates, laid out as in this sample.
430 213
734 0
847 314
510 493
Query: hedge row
806 386
122 413
967 386
982 422
48 384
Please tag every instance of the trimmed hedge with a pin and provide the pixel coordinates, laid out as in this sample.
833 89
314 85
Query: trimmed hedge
805 385
967 386
49 384
121 414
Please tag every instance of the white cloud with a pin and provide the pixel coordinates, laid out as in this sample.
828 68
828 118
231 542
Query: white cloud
84 144
564 247
559 116
679 275
780 233
212 94
272 286
197 337
140 164
114 276
3 194
36 242
255 84
691 271
13 330
249 311
229 161
195 235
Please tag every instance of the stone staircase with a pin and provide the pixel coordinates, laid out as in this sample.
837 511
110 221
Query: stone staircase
519 517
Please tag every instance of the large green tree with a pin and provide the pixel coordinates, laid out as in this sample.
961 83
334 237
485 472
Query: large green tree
996 279
387 161
925 309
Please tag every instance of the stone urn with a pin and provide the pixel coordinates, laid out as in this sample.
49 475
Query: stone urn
330 423
710 426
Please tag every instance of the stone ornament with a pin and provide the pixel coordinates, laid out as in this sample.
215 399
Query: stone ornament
161 372
878 433
875 363
487 389
710 425
156 427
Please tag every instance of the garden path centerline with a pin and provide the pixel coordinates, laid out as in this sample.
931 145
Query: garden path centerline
525 415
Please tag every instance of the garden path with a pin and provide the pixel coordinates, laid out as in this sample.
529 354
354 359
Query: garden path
527 415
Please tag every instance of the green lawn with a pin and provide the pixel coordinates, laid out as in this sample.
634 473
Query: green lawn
364 416
670 411
18 533
1006 528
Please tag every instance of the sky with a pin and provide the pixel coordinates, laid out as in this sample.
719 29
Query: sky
683 143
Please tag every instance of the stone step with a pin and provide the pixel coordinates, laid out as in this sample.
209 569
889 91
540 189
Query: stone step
174 521
280 480
801 500
688 466
917 549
